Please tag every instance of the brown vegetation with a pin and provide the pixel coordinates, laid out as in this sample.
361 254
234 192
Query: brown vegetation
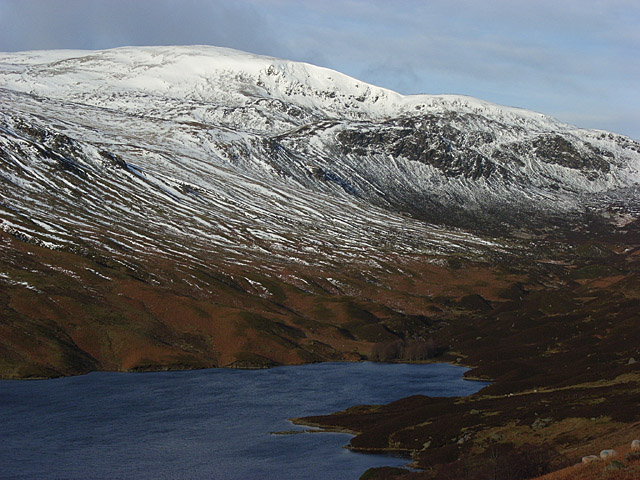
555 335
415 350
557 347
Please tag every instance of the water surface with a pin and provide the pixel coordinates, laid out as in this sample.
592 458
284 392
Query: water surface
201 424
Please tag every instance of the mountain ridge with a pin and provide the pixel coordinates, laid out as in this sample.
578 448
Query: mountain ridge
252 188
252 110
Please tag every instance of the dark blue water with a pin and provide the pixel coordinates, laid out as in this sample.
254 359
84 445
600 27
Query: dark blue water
201 424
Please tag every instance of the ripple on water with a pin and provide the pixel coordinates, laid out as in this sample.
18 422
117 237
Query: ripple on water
204 423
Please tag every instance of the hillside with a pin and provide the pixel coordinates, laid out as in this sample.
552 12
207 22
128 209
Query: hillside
189 207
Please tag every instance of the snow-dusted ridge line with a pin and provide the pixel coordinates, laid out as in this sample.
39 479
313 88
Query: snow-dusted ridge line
192 73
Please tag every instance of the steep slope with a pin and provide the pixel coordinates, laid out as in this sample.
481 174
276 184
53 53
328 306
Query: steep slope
267 199
318 129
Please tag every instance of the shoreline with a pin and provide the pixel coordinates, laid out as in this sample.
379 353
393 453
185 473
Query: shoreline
161 368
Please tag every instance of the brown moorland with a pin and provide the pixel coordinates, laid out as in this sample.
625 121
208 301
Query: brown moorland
553 323
560 349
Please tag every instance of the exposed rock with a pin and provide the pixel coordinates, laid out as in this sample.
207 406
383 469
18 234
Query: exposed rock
558 150
635 445
464 438
541 423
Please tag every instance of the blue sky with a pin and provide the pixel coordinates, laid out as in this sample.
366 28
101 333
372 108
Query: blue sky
578 61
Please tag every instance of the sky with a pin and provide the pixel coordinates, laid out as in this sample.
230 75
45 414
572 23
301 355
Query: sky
576 60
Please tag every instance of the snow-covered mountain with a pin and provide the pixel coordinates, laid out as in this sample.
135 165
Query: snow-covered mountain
187 150
198 206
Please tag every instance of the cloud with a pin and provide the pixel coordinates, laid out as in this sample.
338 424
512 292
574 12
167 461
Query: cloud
99 24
